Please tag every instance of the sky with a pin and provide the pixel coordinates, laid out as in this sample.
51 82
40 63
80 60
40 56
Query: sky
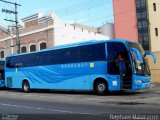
87 12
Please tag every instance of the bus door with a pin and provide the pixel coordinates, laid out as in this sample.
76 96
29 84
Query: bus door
117 69
141 77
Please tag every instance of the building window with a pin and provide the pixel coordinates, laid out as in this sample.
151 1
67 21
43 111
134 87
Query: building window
23 49
43 46
144 14
144 24
140 4
2 54
32 48
156 31
139 25
154 6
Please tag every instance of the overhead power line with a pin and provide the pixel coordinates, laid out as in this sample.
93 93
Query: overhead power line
82 7
15 12
88 3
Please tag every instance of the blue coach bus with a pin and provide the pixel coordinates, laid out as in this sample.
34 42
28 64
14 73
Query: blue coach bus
87 66
2 76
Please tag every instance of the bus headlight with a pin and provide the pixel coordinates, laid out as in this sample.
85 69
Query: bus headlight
138 81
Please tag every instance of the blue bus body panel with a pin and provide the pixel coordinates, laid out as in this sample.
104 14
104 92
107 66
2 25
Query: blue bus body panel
114 82
2 83
76 76
144 84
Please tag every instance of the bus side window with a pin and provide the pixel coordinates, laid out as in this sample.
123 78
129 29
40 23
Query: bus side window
111 57
0 75
93 52
113 50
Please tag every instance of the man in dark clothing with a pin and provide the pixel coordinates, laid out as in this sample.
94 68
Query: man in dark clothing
122 64
122 67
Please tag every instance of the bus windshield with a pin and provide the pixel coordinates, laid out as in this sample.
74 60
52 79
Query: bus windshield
140 68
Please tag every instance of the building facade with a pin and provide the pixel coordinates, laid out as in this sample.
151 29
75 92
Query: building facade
125 21
44 31
137 20
153 7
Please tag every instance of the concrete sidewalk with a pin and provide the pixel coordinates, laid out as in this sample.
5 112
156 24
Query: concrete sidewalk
155 85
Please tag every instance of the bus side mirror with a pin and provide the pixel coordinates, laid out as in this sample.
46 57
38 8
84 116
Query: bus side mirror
137 54
151 54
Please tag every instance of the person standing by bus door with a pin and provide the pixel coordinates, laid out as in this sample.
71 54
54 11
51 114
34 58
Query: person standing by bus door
122 68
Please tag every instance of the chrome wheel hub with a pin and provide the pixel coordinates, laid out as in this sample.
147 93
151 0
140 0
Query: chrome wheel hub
101 87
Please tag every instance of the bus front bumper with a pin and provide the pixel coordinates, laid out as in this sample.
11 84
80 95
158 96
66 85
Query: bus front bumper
141 86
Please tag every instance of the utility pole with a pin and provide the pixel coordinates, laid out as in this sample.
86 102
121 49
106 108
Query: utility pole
14 21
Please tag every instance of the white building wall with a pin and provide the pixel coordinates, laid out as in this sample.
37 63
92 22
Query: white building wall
65 33
154 17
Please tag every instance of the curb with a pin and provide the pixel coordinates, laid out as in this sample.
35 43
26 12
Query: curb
155 85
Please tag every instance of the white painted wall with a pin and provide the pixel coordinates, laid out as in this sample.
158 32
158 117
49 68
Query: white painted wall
154 17
65 33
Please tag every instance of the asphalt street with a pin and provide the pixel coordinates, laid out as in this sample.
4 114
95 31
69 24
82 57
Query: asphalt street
40 105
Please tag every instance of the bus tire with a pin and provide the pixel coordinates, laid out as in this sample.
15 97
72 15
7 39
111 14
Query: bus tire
26 86
100 87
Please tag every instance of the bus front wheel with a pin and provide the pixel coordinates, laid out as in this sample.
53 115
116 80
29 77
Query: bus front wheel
26 86
100 88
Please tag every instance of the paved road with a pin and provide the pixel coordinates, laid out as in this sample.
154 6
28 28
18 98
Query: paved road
67 105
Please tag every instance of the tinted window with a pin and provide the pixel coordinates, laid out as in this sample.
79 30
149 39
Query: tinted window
1 65
137 46
67 55
113 50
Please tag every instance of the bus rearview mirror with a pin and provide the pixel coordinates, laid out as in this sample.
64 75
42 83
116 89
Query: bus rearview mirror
151 54
137 54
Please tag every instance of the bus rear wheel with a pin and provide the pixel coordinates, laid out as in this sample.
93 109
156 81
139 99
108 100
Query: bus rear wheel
100 88
26 87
